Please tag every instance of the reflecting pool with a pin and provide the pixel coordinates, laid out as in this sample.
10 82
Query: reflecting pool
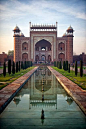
42 91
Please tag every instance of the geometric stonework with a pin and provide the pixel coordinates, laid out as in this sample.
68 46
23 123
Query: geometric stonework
43 45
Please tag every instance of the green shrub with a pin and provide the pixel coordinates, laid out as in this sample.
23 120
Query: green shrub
13 68
76 68
16 67
69 68
81 68
4 69
66 65
9 66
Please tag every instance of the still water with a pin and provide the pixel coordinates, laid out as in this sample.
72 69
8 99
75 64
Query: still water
42 91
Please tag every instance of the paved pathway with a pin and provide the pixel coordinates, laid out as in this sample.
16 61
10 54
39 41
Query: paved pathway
8 92
72 89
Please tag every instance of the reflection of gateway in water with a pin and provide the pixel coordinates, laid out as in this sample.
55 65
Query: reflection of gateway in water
49 93
47 97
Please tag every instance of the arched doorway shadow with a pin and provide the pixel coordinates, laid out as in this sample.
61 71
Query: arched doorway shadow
42 48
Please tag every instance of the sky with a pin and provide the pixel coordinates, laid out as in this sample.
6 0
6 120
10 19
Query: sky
21 12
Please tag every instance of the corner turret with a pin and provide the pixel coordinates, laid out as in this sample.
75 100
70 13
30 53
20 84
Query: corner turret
69 48
16 32
70 31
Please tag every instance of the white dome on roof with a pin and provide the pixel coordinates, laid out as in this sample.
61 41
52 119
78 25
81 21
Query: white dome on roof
70 28
16 28
64 34
21 34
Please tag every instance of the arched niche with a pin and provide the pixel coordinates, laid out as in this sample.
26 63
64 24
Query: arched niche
49 58
24 57
25 46
61 46
61 56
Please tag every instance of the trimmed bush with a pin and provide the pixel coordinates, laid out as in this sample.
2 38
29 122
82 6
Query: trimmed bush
13 68
66 65
69 68
81 68
16 67
54 63
19 66
57 64
60 65
4 69
9 66
76 68
31 63
25 65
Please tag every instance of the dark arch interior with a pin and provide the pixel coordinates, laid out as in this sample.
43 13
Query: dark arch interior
43 43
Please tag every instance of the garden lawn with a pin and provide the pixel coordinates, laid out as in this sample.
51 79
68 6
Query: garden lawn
1 67
4 81
80 81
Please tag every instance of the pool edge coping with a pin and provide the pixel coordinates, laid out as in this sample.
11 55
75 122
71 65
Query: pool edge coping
14 92
66 88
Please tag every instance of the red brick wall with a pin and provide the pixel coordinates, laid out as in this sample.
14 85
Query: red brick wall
3 58
69 49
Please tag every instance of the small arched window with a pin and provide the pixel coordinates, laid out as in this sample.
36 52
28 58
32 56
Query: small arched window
25 46
61 46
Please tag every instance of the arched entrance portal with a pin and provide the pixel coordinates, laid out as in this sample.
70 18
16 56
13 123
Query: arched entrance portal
43 50
43 58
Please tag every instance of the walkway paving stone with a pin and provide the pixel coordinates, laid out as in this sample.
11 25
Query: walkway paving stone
8 92
78 94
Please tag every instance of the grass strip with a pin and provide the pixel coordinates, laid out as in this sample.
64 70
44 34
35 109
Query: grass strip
80 81
4 81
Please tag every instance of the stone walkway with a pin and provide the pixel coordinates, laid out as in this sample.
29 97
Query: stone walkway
78 94
8 92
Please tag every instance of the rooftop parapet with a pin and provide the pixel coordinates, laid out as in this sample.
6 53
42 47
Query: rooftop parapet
42 27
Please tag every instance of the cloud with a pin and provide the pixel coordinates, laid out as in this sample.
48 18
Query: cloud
41 9
65 12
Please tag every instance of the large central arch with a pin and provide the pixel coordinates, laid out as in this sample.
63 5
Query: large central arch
43 49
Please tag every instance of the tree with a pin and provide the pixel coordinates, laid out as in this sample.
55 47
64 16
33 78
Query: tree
25 65
10 52
66 65
9 66
31 63
81 68
4 69
60 65
19 66
16 67
69 68
13 68
54 63
76 68
57 64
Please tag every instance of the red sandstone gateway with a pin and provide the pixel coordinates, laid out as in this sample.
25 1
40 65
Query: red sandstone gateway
43 45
